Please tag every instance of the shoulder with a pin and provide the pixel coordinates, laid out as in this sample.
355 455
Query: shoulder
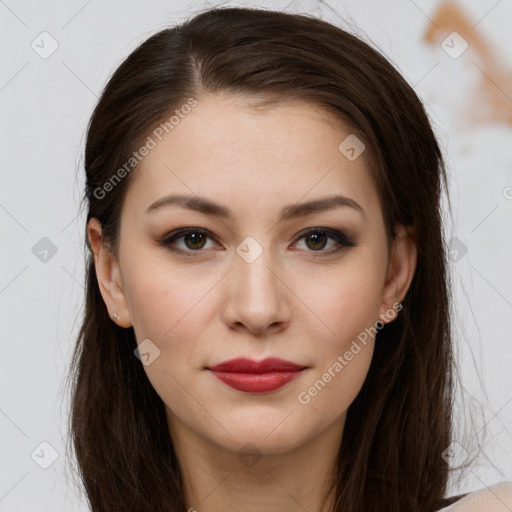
494 498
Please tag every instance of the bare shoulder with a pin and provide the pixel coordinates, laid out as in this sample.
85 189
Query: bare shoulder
494 498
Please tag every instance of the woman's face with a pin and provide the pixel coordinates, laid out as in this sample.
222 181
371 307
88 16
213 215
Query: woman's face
259 281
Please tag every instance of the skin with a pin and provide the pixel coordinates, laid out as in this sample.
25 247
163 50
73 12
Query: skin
298 300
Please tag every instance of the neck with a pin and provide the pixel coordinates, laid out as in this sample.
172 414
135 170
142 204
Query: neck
217 478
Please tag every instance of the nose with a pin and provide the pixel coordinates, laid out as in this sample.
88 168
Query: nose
257 295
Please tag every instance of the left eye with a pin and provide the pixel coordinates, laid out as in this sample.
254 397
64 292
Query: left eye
315 239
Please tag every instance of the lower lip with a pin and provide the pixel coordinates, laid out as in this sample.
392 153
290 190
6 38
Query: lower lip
256 382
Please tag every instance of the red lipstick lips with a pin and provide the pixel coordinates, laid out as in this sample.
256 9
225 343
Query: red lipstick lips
256 376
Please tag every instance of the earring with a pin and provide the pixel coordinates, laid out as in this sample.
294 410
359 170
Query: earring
116 316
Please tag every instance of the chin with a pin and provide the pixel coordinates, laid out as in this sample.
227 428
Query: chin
260 443
270 435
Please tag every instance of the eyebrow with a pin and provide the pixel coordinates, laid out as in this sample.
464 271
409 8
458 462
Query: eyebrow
292 211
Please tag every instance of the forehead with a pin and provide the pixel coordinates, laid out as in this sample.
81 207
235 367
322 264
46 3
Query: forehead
254 160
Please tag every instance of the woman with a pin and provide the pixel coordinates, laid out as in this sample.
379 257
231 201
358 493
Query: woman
267 304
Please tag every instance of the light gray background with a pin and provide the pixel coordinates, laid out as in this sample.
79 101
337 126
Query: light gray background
45 105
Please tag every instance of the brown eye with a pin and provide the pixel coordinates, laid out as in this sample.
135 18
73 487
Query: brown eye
197 240
194 240
316 240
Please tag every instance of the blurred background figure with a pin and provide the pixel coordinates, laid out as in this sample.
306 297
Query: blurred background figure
491 99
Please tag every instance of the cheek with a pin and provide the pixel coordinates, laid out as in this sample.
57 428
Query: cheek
332 388
349 307
164 301
345 301
166 308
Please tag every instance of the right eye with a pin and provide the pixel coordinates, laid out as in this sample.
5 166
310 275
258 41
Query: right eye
194 240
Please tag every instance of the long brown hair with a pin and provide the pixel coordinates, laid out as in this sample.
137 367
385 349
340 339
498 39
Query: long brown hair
400 423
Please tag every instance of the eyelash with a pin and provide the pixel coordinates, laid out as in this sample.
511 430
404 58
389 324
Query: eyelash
340 237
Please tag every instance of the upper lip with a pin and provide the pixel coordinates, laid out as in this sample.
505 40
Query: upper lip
244 365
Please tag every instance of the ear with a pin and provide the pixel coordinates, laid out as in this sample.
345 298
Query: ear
401 268
108 275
